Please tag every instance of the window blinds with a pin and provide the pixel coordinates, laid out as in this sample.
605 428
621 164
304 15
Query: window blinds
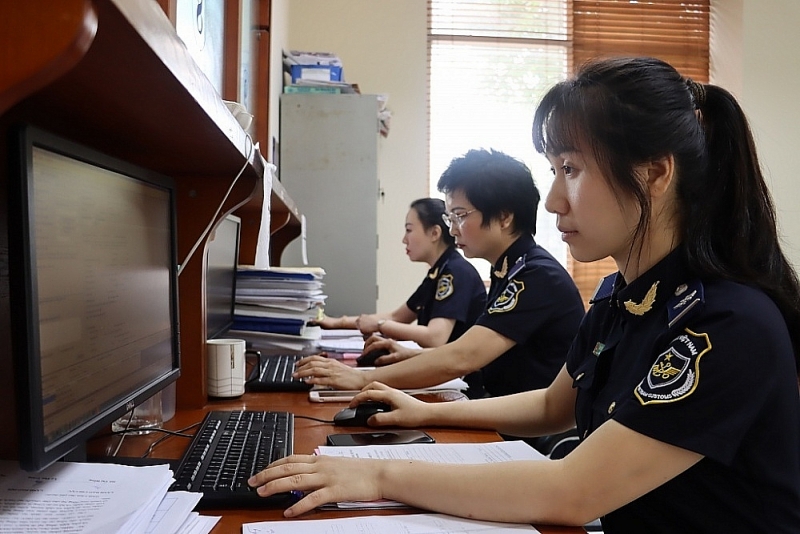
490 61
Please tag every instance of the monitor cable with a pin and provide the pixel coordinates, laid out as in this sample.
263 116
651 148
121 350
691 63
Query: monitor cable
205 232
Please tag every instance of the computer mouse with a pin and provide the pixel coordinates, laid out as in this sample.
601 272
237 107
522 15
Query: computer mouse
358 416
368 359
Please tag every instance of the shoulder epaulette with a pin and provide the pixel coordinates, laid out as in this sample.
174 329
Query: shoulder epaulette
604 289
518 265
686 298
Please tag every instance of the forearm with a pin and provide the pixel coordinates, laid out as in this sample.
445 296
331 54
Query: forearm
421 335
472 351
522 414
520 492
530 413
429 368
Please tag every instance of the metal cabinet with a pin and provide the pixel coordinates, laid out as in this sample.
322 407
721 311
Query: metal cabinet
328 164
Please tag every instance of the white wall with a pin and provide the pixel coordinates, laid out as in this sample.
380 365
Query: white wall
771 97
382 44
755 57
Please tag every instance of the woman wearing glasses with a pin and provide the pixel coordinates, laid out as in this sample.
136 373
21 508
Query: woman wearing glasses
449 299
533 311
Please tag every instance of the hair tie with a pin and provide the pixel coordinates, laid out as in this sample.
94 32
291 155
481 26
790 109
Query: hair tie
698 92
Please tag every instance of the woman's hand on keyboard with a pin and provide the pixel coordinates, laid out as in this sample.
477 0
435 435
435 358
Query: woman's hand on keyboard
321 480
318 370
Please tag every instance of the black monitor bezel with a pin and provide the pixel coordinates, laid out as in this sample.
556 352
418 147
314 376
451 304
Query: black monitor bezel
33 452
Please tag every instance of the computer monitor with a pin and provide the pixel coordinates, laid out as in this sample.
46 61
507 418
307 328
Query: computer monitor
222 260
94 299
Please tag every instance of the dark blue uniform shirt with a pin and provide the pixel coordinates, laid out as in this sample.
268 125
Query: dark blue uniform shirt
705 365
453 289
534 302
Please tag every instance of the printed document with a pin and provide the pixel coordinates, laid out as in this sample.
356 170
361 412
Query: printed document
396 524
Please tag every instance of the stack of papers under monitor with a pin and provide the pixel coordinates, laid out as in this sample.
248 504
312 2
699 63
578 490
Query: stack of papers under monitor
97 497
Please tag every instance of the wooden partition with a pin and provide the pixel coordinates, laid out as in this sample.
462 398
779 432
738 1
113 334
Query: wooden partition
113 75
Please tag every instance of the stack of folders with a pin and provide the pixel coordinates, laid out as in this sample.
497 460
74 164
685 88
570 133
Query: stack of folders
274 306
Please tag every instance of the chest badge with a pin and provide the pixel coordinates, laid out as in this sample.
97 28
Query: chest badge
507 300
647 302
444 288
503 269
676 372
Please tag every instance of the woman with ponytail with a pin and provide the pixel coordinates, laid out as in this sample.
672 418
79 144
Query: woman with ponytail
447 302
682 379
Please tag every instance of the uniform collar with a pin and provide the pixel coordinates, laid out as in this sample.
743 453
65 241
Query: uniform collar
511 256
434 271
652 289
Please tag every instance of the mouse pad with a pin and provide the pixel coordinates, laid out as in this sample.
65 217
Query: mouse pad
395 437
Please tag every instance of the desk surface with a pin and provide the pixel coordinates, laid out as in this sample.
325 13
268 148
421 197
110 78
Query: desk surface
308 435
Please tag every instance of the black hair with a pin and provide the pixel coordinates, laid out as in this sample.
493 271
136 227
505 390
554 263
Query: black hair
430 211
495 183
630 111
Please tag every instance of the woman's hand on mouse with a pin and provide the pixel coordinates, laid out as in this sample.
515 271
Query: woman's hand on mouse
397 352
406 410
323 479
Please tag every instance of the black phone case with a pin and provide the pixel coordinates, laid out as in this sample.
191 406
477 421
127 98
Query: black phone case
391 437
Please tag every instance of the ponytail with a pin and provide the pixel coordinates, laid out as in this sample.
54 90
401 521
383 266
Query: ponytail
430 212
634 110
735 236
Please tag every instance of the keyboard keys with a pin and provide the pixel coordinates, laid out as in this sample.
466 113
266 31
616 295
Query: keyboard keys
228 449
274 373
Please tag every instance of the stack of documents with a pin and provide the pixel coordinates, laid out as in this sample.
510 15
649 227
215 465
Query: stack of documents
274 306
97 498
343 343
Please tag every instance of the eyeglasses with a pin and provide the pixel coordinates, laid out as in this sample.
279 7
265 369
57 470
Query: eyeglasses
454 218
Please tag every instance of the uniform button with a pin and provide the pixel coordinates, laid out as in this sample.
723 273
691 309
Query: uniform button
611 407
580 375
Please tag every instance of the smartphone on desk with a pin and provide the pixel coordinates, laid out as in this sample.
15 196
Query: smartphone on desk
331 395
380 437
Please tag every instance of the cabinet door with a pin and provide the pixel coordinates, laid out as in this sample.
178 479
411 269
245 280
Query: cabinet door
328 164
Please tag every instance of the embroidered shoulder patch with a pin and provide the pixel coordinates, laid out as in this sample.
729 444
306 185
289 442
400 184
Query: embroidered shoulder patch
508 298
676 372
444 287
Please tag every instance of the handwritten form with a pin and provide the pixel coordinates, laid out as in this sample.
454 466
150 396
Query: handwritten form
396 524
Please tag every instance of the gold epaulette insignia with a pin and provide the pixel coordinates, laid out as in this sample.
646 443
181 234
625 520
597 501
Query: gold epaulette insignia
503 270
647 302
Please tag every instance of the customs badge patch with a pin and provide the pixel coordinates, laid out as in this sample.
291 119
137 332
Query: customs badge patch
444 287
676 372
508 298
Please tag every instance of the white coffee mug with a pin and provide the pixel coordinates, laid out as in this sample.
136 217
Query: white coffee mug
226 368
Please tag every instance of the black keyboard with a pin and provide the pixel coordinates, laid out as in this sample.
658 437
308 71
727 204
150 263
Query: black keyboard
228 448
274 373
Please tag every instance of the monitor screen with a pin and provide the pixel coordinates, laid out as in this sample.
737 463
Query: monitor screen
94 292
222 259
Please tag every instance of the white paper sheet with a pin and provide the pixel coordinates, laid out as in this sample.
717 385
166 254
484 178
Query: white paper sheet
396 524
